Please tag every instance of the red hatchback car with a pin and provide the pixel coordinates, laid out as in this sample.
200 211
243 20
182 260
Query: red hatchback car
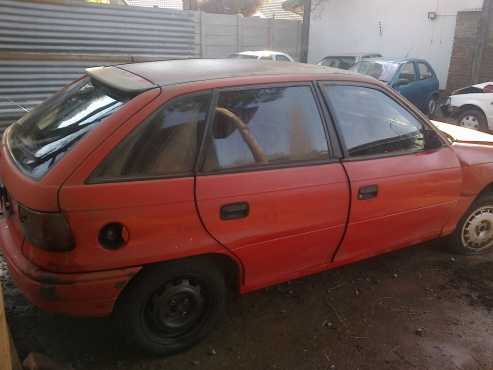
152 191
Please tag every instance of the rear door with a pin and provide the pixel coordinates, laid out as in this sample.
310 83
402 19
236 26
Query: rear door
402 192
269 189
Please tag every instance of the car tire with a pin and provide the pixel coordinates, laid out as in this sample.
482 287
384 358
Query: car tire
473 118
171 306
432 107
474 233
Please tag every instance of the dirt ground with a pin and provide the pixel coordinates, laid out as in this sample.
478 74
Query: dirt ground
420 308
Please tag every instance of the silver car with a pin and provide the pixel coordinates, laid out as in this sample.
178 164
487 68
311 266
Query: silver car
346 61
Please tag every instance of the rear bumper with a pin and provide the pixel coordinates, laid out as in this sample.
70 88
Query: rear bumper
75 294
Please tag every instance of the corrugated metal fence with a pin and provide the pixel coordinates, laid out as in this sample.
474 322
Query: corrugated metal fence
117 30
44 44
25 84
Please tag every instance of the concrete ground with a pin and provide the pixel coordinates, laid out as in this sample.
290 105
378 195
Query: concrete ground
420 308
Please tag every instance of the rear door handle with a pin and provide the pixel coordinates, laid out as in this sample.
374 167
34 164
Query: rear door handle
368 192
234 211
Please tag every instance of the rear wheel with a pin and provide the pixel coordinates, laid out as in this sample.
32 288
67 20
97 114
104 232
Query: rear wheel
172 306
473 119
474 234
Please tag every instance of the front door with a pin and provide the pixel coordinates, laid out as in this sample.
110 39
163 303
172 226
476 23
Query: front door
410 90
268 189
427 85
402 192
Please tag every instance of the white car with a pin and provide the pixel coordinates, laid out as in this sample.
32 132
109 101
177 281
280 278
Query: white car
263 55
472 106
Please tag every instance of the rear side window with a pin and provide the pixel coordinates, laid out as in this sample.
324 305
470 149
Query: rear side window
425 72
264 126
41 138
372 123
166 144
282 58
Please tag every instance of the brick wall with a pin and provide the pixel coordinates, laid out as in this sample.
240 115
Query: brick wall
466 33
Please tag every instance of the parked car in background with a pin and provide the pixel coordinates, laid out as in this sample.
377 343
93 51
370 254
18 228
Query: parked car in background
346 61
263 55
472 106
154 191
415 79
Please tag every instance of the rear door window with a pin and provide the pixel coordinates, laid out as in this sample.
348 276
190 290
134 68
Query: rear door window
265 126
41 138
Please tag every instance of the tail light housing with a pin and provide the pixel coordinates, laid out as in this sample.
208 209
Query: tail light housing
46 230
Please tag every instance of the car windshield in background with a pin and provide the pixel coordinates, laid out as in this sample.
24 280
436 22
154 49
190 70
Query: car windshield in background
338 62
38 140
381 70
243 56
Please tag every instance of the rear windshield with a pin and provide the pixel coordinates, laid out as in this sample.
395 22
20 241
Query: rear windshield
338 62
41 138
381 70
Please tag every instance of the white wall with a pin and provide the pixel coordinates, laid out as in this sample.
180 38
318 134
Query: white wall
351 26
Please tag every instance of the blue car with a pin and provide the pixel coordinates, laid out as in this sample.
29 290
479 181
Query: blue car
413 78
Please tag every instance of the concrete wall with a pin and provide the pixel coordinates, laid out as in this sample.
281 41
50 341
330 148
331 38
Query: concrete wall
393 28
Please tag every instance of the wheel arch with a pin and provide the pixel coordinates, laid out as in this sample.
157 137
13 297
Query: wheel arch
229 266
488 189
467 106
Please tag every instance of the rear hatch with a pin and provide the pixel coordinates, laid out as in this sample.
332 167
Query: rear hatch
33 145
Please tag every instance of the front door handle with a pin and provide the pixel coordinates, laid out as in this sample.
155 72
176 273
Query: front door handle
368 192
234 211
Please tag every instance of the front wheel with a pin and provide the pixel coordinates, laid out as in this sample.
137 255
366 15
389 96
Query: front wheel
432 106
474 234
169 307
473 119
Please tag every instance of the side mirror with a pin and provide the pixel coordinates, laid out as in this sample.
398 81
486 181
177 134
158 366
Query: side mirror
432 140
402 82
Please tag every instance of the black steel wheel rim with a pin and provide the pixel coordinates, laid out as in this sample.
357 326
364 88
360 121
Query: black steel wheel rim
176 309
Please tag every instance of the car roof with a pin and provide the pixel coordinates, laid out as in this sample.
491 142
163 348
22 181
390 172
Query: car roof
260 52
351 55
396 60
174 72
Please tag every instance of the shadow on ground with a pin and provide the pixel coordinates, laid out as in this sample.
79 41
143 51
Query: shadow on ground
420 308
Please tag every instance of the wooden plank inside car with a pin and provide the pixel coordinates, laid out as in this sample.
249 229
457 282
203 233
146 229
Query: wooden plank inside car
9 360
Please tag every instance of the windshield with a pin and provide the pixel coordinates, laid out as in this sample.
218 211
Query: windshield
39 139
243 56
381 70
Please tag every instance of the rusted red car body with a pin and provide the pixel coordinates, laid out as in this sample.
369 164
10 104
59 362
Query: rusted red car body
303 219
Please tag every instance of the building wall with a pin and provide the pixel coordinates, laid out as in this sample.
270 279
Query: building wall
395 29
